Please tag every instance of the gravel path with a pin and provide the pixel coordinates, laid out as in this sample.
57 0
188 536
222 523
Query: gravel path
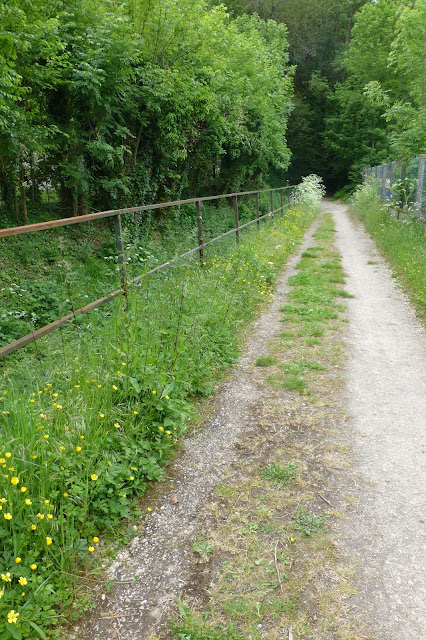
386 396
385 533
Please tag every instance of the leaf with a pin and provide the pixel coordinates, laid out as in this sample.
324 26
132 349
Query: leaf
167 390
135 384
14 631
37 628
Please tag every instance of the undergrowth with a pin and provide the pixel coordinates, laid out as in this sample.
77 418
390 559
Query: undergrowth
92 413
402 241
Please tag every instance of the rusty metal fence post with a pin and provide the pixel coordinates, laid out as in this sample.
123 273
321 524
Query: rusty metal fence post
121 258
257 211
237 221
198 206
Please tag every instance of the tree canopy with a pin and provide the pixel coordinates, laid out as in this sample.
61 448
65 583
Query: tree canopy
105 104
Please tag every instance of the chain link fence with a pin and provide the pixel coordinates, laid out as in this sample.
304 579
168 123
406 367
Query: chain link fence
402 183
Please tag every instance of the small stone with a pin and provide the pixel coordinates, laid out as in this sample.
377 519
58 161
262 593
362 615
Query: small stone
174 500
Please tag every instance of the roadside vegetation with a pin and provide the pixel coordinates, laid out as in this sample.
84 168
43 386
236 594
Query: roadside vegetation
92 413
401 238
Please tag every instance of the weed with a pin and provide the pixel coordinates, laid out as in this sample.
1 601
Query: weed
202 546
279 475
265 361
308 523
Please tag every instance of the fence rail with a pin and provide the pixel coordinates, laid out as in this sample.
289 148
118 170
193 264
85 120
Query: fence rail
402 183
199 204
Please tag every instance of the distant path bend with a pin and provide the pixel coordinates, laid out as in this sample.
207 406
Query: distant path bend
386 397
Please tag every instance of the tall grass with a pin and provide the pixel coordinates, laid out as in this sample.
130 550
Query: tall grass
93 413
402 241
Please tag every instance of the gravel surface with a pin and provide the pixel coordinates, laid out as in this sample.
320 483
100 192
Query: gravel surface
385 533
386 397
156 568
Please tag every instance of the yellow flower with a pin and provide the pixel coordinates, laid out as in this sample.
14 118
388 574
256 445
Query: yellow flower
18 560
14 480
1 593
102 415
62 448
33 457
94 477
42 416
28 502
33 567
6 577
160 428
23 489
2 460
116 425
81 437
154 392
49 516
135 413
78 449
167 397
12 617
114 387
46 501
149 509
99 386
131 478
33 527
48 541
55 395
8 516
91 549
3 500
23 581
95 539
40 516
46 436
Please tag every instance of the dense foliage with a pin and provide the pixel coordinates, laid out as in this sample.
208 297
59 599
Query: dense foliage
359 83
105 104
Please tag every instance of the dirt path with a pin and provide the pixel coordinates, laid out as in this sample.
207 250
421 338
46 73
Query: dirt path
386 395
250 424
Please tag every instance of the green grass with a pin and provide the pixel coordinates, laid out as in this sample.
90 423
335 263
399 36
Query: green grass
92 413
279 475
265 361
402 242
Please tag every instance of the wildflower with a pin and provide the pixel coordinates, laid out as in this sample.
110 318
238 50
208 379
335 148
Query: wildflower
40 516
114 387
46 501
23 581
160 428
3 500
14 480
65 494
169 433
7 516
99 386
33 567
55 395
62 448
42 416
131 478
149 509
6 577
94 477
28 502
49 516
154 392
33 457
81 437
48 541
135 413
91 549
33 527
2 460
167 397
46 436
102 415
18 560
78 449
23 489
12 617
116 425
1 593
95 539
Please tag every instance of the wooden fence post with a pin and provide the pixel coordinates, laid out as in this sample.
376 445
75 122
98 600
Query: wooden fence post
121 258
420 182
272 204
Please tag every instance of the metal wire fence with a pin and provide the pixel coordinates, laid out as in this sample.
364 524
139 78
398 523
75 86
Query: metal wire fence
402 183
267 203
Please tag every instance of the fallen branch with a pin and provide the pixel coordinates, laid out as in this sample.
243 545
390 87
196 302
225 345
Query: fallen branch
276 565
